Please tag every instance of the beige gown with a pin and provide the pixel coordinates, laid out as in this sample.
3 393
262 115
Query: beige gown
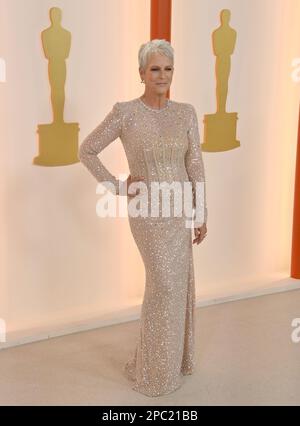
161 145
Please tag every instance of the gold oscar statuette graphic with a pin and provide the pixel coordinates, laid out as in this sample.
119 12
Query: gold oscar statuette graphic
58 141
220 128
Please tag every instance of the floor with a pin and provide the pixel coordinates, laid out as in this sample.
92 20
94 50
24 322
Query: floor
244 356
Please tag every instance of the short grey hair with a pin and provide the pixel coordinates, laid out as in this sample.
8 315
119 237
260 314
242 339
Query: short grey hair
154 46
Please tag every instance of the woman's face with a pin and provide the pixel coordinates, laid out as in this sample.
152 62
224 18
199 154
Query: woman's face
159 70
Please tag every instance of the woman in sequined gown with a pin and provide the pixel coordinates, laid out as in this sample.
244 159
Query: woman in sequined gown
161 141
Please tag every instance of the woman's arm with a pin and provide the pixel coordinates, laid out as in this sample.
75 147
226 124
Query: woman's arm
194 163
105 133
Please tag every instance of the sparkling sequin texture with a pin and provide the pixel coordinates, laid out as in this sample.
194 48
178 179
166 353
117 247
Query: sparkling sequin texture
161 145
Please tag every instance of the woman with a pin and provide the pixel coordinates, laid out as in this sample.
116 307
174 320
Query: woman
161 141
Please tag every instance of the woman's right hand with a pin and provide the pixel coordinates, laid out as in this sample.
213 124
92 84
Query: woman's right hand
131 179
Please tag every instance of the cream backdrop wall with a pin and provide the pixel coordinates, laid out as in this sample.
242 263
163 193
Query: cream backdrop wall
250 189
63 266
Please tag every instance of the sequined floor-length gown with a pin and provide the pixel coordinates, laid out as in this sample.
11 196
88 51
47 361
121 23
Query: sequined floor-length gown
161 145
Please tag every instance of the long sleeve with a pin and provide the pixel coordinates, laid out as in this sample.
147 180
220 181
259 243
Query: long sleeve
105 133
194 163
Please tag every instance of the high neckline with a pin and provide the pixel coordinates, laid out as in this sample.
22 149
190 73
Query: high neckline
155 109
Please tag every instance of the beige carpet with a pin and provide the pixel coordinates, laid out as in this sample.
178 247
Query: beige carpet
245 356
